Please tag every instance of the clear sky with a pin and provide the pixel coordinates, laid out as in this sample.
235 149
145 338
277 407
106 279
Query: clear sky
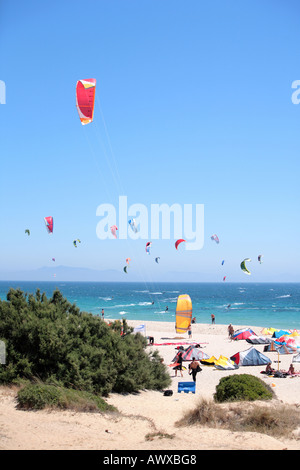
193 106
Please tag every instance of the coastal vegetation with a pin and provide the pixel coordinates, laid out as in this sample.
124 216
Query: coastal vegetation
272 418
242 387
244 403
54 346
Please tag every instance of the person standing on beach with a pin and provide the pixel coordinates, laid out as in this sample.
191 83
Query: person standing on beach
179 364
213 318
230 330
194 368
102 313
190 332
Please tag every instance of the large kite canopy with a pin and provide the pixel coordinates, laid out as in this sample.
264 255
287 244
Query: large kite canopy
192 352
85 99
243 333
49 224
250 357
184 312
244 267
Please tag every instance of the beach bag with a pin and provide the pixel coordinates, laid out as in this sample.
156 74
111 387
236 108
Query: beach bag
168 393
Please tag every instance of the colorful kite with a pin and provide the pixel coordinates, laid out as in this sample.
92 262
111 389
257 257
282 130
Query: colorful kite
113 230
243 266
49 224
85 99
178 242
133 225
215 238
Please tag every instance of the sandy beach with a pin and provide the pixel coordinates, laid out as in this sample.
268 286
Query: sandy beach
150 413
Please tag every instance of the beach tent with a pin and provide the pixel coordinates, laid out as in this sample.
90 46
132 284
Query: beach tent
254 339
250 357
224 363
183 313
244 333
296 358
190 352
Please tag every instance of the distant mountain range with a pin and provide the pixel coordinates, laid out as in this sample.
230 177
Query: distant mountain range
68 273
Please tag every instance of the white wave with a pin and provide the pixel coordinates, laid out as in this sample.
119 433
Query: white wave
105 298
283 296
144 303
125 305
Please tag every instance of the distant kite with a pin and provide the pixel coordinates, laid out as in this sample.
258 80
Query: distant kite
113 230
75 242
53 259
125 269
260 258
148 244
49 224
133 225
156 259
243 266
215 238
178 242
224 278
27 231
127 260
223 262
85 99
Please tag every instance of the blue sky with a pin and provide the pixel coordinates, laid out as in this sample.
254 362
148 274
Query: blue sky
193 106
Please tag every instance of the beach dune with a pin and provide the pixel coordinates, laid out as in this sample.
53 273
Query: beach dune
147 420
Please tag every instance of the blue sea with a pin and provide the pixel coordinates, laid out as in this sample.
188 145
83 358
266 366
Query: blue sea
273 305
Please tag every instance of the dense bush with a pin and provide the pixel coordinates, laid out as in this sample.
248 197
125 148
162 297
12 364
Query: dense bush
242 387
39 396
52 340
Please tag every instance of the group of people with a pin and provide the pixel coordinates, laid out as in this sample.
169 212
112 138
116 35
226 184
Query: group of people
270 371
194 367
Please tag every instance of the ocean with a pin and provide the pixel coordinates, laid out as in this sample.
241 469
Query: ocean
275 305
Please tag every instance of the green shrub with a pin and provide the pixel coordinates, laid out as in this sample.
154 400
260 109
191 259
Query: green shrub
52 340
39 396
242 387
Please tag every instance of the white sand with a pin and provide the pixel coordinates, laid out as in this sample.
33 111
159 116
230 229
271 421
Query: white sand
150 412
